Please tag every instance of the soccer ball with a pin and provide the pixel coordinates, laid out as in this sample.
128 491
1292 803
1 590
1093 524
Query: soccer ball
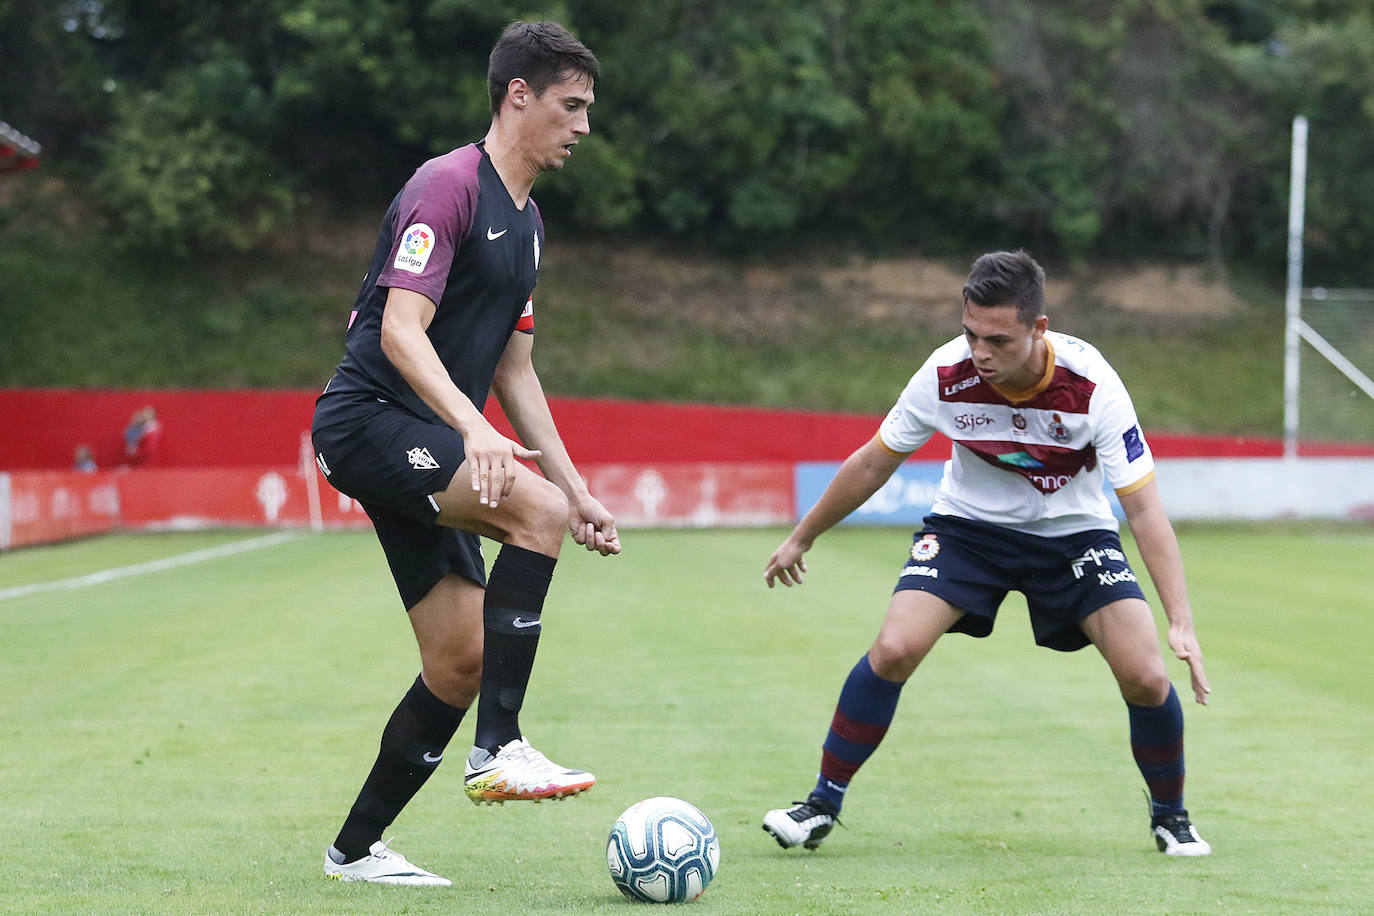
662 850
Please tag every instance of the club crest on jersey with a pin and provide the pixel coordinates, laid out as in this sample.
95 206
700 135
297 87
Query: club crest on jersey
421 460
1058 431
925 549
413 253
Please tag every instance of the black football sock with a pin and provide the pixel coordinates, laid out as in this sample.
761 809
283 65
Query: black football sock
516 588
413 743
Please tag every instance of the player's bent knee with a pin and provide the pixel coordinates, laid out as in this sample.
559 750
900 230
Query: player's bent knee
455 676
894 659
1144 687
539 517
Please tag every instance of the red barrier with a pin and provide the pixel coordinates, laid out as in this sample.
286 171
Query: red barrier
48 506
41 506
256 428
700 495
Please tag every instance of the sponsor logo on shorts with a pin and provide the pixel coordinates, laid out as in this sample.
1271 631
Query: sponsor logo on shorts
1094 557
925 549
421 460
417 242
1113 578
930 572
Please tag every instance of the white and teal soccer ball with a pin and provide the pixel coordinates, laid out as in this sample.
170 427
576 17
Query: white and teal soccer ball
662 850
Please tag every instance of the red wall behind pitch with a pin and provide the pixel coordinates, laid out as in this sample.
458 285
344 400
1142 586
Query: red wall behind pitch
40 428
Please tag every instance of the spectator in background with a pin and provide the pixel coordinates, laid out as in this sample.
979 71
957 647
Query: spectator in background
142 437
83 460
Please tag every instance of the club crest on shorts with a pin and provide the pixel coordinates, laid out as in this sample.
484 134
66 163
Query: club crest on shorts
925 549
421 460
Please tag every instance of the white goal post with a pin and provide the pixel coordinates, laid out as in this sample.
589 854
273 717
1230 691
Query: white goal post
1296 329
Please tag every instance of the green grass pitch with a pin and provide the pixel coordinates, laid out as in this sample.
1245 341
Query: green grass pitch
187 740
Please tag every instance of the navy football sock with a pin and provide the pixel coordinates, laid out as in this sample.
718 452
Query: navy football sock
1157 744
516 588
867 704
413 743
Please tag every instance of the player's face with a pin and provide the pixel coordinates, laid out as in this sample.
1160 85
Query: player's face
1005 351
559 122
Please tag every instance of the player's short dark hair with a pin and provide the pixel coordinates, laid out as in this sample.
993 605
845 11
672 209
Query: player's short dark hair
540 53
1008 278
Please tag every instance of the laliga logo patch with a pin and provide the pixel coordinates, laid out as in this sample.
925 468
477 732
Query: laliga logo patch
413 253
925 549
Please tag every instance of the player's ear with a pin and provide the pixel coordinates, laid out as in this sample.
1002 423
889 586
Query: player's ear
518 92
1041 325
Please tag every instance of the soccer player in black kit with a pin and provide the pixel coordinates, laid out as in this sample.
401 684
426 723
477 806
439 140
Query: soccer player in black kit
445 315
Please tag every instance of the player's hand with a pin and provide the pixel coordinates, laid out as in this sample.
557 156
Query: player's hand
1185 646
786 564
592 526
492 458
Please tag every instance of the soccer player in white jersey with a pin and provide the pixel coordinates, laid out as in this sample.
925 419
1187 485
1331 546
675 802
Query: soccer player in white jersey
1038 420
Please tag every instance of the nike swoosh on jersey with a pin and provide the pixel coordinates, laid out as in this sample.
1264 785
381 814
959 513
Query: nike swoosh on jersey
520 623
493 236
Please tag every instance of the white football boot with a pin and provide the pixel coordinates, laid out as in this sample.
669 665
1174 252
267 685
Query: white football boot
519 772
1175 835
381 866
805 823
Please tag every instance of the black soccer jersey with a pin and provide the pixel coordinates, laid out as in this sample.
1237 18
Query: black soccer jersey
454 235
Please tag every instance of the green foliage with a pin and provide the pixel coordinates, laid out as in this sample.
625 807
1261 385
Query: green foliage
1122 127
181 168
1332 83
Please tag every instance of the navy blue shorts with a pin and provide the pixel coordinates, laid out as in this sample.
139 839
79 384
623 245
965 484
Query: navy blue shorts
973 565
392 463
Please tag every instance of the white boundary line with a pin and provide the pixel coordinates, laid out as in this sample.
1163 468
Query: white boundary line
138 569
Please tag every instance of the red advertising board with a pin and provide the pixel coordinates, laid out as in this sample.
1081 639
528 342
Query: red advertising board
41 506
45 506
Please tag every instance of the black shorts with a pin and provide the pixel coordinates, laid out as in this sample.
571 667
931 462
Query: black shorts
973 565
392 463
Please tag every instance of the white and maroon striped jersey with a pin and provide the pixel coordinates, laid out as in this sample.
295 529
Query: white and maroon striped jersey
1031 460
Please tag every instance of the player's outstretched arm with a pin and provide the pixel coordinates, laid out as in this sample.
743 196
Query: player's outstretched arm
862 473
1158 544
517 387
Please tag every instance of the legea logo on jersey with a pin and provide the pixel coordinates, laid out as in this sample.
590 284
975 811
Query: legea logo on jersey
416 244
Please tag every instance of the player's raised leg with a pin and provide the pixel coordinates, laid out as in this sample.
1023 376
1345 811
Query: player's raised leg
530 523
867 703
1124 632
